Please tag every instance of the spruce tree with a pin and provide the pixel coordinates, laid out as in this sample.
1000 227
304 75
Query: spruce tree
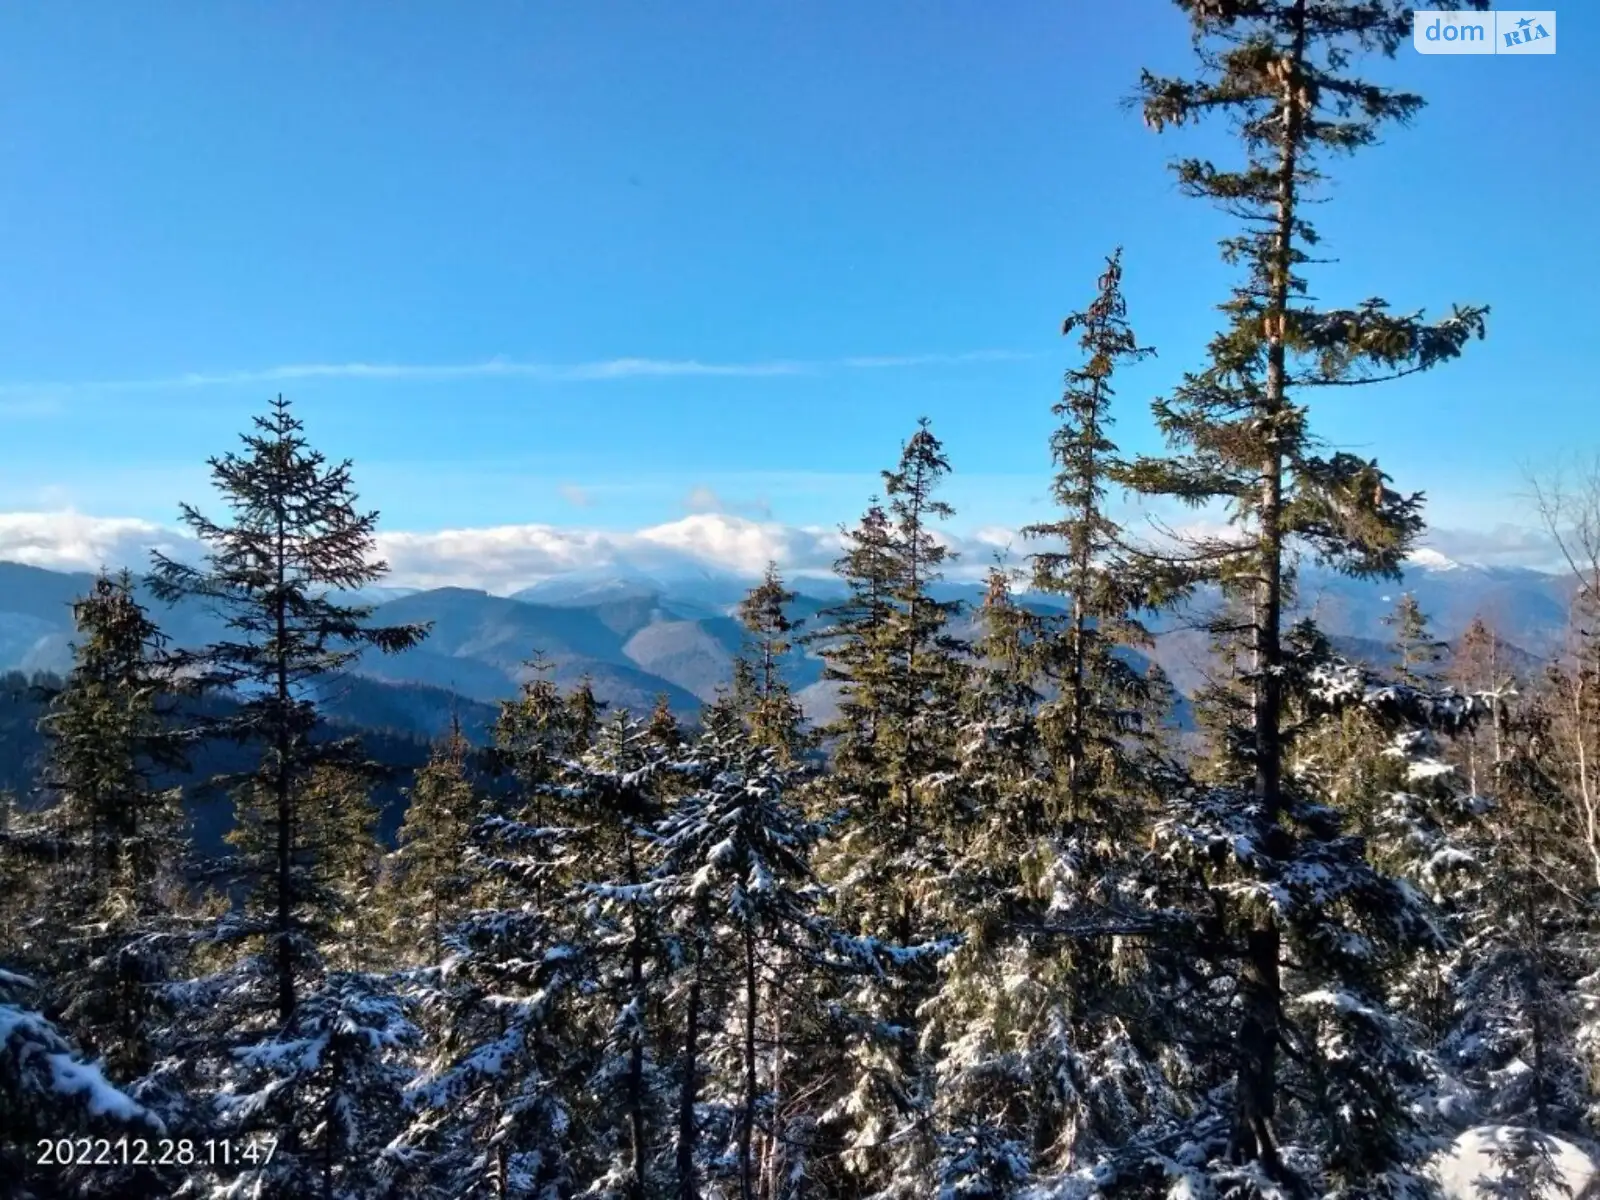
663 727
902 672
1417 653
760 691
1101 698
431 884
532 735
110 738
273 571
50 1094
490 1112
1523 1039
519 1076
985 1096
615 797
1050 1059
760 968
1242 441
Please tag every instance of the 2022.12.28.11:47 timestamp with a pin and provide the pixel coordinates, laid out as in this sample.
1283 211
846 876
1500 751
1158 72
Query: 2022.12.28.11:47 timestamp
156 1152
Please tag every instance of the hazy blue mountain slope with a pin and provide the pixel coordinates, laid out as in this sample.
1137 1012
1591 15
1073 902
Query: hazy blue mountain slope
501 631
684 652
638 633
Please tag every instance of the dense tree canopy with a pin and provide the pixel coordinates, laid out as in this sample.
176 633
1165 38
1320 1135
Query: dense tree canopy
993 927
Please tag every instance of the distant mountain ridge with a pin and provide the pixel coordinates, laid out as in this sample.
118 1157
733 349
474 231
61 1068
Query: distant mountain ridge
638 634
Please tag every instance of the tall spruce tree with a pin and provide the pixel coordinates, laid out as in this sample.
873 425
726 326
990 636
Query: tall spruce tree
734 890
614 798
901 671
273 572
1102 700
1049 1060
1242 441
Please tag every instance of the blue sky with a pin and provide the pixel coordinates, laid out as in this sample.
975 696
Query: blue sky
856 213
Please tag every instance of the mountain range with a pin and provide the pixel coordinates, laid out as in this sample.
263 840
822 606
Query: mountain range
638 635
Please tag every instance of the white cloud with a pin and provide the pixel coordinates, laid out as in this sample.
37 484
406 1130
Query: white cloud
507 557
1500 546
498 558
71 541
38 396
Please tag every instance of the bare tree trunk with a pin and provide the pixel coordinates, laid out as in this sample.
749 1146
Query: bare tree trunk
1572 519
285 812
773 1142
638 1149
747 1107
688 1187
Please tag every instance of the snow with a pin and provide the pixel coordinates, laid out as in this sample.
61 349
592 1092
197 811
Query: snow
32 1045
1425 559
1419 772
75 1078
1472 1158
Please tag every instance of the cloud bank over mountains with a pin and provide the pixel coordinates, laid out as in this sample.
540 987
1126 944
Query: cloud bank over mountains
503 558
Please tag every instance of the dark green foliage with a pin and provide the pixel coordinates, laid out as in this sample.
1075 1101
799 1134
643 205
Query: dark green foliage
295 537
1417 653
894 765
304 839
761 694
992 932
114 886
1241 440
430 883
1101 703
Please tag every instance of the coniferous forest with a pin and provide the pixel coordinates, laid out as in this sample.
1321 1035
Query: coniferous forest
995 931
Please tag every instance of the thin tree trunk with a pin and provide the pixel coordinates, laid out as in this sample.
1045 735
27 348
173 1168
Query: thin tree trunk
772 1149
1580 739
688 1189
285 914
747 1114
638 1148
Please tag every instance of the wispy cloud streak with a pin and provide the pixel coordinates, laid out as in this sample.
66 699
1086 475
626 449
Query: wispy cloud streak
504 368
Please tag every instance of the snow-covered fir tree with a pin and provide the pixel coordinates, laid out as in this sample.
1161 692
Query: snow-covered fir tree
612 797
1282 881
737 900
51 1094
901 670
1525 995
490 1112
1044 1063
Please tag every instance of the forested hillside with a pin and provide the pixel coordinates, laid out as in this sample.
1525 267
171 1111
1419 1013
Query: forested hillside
1012 916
